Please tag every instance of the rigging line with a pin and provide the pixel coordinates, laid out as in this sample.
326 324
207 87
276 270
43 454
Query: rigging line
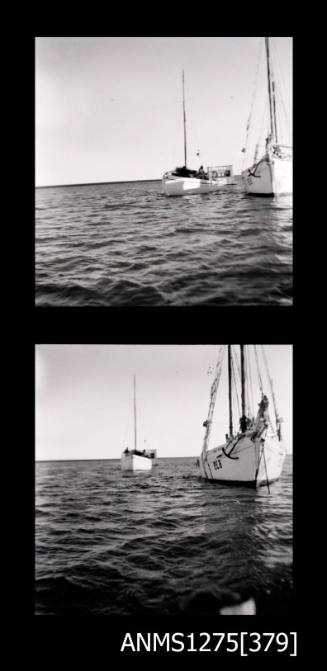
239 382
236 394
264 459
253 99
213 395
252 384
281 88
235 400
270 383
247 395
259 462
264 120
237 405
283 121
287 118
238 368
280 77
258 369
264 117
251 395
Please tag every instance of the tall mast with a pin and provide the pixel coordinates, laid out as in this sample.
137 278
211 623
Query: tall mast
271 93
134 412
243 379
230 390
184 117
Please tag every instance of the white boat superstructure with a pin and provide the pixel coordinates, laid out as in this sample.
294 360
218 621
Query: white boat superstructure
255 454
272 174
136 460
175 184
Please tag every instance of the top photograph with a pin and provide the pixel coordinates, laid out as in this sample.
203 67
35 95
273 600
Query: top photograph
163 171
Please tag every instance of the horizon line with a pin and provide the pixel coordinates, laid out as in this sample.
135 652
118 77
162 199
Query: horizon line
39 461
48 461
123 181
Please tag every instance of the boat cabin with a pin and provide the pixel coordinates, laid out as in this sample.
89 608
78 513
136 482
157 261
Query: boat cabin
218 171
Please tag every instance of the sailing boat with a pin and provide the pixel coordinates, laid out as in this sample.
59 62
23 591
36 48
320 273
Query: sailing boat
253 455
136 460
183 181
271 174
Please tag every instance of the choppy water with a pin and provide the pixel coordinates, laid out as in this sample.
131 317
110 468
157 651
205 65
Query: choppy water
164 542
127 244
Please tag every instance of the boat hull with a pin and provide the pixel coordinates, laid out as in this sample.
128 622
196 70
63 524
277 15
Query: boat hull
270 176
135 462
182 186
252 461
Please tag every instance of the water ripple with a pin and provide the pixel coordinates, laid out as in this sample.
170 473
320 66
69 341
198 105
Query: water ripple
126 244
164 542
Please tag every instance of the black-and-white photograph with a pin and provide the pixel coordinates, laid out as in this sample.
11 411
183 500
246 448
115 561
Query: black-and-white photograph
163 171
163 480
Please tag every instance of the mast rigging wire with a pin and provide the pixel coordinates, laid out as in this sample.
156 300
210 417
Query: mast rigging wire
258 369
250 385
252 103
235 389
281 88
270 383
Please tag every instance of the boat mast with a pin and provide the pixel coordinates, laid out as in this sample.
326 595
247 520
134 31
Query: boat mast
184 118
243 380
230 390
134 413
271 93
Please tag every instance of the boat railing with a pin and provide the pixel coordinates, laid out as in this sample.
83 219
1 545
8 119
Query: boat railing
218 171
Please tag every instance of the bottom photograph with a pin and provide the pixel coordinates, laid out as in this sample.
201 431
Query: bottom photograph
163 480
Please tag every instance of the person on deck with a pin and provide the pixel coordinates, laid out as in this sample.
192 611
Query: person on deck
263 411
262 419
244 423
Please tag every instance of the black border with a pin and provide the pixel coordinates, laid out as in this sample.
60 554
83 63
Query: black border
162 325
98 638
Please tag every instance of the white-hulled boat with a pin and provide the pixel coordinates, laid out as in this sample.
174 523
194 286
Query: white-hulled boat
255 454
272 174
136 460
183 181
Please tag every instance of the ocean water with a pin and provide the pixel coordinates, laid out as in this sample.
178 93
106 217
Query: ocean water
161 543
127 244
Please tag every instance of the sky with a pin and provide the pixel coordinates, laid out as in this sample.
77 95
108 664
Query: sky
84 398
110 108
